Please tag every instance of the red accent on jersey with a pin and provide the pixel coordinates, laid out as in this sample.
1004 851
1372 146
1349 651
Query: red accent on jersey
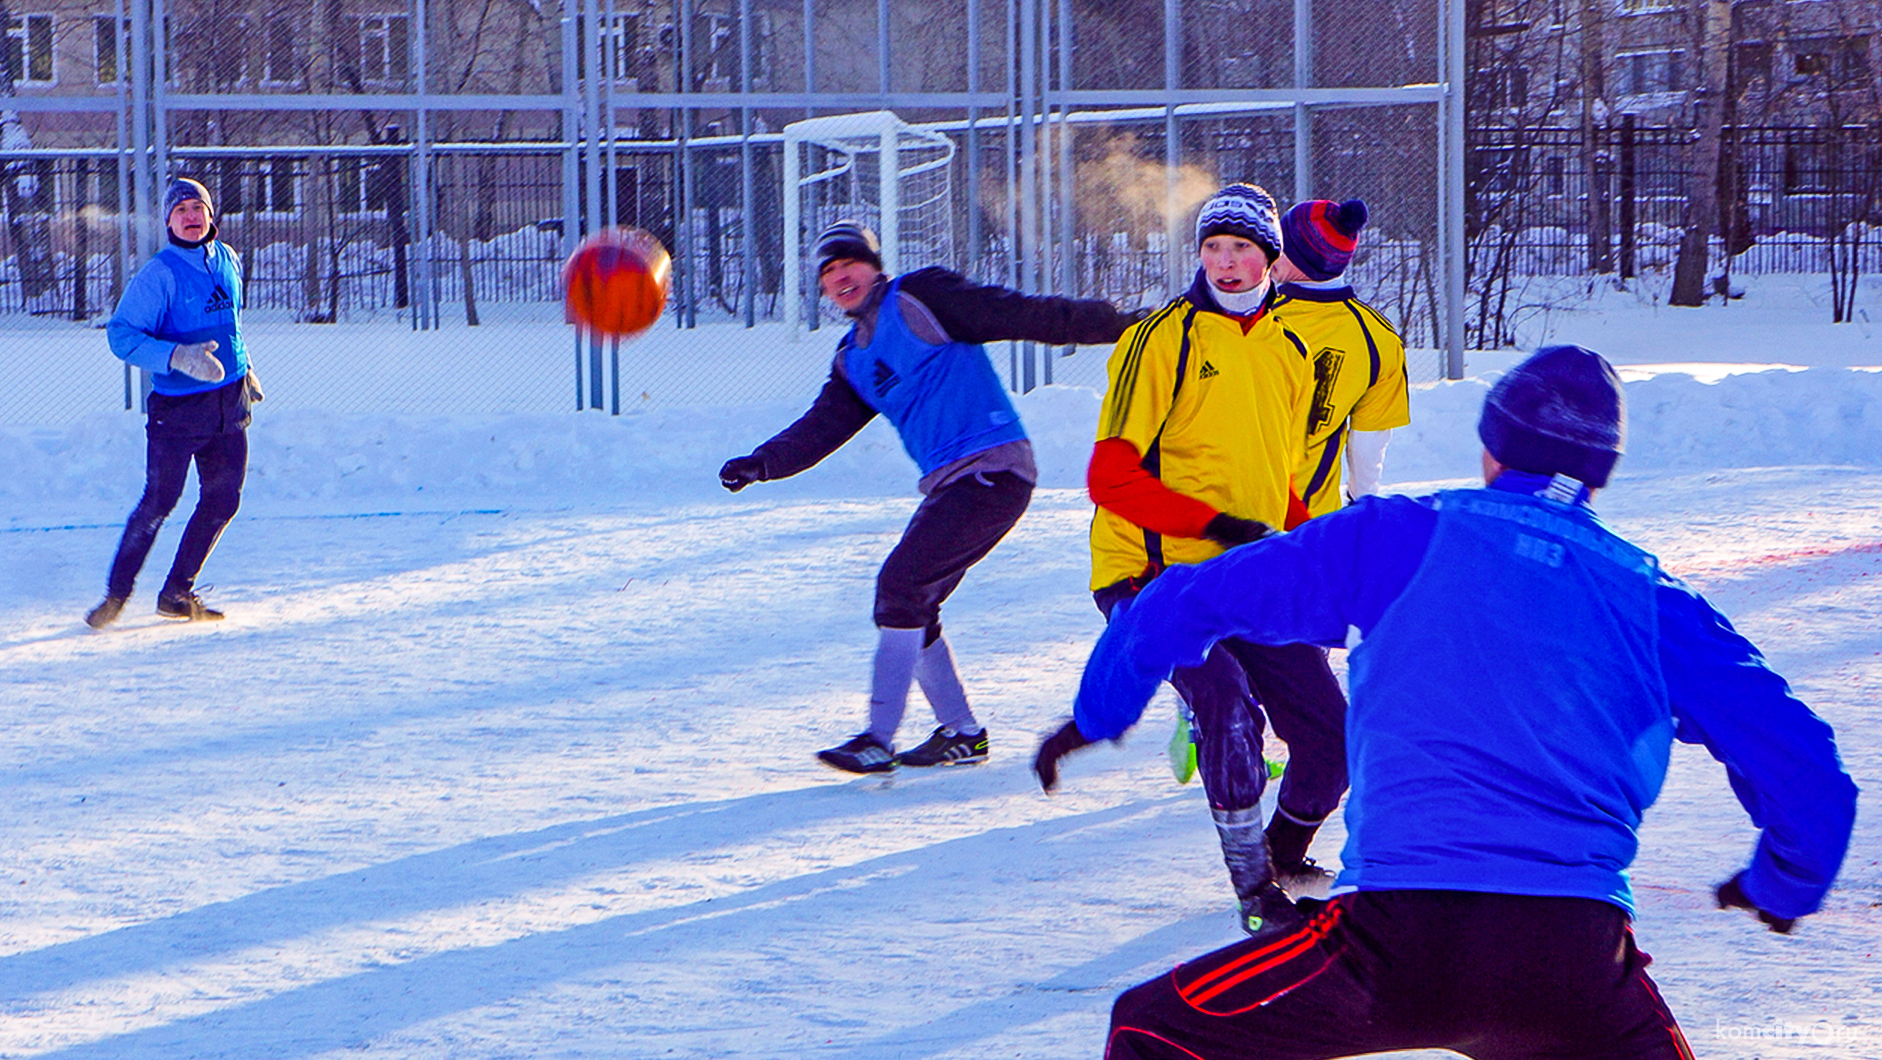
1117 480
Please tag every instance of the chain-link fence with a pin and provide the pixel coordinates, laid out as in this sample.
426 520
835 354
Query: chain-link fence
403 183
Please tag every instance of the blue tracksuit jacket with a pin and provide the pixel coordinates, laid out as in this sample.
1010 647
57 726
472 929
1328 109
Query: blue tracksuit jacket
1522 676
182 295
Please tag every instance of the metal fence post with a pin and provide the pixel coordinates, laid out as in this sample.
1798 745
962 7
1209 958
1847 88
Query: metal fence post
1455 260
1627 196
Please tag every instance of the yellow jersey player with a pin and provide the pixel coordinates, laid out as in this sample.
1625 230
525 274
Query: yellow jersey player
1358 359
1200 431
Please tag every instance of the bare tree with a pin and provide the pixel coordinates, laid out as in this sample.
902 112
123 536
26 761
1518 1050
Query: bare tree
1702 171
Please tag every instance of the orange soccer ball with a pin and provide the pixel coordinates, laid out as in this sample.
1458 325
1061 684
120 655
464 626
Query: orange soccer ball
616 282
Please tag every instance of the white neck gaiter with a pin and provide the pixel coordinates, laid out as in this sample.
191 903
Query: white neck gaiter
1241 303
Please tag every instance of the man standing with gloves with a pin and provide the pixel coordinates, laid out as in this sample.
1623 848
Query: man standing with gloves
1522 676
914 355
180 320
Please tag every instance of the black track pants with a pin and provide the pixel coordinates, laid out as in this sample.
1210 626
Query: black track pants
1491 976
953 529
1229 693
221 465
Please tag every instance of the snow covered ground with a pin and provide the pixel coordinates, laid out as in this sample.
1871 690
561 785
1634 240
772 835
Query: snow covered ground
504 748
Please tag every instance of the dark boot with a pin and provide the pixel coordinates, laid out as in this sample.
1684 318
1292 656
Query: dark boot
186 604
1299 875
1265 908
105 613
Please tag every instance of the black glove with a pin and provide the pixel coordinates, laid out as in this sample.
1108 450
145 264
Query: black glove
1732 896
741 471
1055 747
1228 531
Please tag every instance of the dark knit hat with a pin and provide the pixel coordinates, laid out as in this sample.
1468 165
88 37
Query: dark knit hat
1245 210
183 189
848 239
1561 412
1320 235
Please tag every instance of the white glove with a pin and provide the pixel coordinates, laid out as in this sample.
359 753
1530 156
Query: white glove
254 387
198 361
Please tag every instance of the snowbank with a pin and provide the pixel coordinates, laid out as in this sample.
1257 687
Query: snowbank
302 457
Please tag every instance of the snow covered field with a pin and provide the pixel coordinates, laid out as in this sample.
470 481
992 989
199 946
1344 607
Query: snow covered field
504 748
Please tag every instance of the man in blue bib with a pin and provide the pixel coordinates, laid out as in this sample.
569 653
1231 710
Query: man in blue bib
914 355
1522 676
180 320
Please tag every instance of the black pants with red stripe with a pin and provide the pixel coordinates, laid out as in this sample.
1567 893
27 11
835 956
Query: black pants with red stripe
1491 976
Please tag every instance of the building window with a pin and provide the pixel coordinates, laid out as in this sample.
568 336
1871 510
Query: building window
1841 59
368 185
1643 72
212 53
623 48
106 47
374 52
28 54
281 61
385 55
1554 176
257 186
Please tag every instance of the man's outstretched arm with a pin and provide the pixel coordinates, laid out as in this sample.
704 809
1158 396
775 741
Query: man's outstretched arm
1780 757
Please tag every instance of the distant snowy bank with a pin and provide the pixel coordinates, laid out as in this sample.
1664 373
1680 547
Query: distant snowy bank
308 459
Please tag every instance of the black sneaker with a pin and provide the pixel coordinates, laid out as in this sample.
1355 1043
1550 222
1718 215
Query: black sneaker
862 753
1309 879
105 613
947 748
186 605
1270 914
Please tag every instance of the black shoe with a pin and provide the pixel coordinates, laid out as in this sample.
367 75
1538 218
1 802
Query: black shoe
105 613
1309 879
947 748
1270 914
186 605
862 753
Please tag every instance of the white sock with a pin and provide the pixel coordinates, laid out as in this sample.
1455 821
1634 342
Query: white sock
941 683
897 651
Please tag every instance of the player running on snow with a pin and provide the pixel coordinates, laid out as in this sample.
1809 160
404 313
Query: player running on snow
180 320
1358 358
1201 429
914 355
1523 675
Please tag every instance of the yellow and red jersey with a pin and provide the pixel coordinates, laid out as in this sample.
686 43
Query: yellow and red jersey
1205 413
1359 381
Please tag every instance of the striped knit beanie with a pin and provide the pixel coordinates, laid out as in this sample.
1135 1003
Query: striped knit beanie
1321 235
1245 210
850 240
1561 412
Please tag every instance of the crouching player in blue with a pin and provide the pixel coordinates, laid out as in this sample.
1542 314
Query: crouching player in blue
913 353
1523 675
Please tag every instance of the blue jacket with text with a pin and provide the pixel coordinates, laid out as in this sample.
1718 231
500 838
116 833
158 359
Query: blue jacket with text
1522 676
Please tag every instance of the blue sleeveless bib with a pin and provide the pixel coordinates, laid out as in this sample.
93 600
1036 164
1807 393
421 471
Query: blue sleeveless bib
945 401
206 306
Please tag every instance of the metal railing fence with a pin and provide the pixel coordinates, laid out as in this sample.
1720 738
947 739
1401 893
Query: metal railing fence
411 170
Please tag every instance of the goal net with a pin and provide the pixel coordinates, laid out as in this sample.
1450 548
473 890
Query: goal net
874 168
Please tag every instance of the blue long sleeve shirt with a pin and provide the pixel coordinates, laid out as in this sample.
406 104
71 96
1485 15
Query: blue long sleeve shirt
1523 675
182 295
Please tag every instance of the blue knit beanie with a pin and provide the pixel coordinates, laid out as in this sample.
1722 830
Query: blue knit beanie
183 189
1561 412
